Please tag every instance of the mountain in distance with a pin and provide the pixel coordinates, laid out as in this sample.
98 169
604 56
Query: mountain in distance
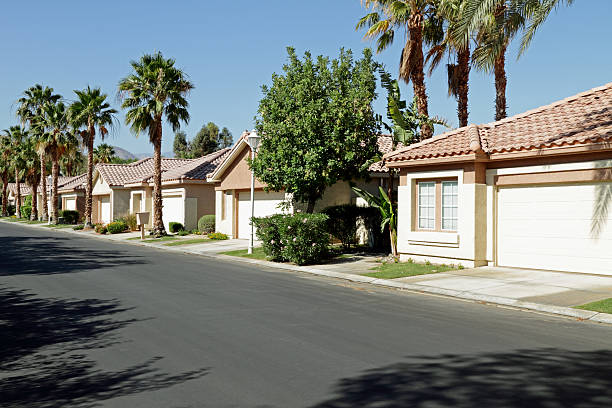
125 155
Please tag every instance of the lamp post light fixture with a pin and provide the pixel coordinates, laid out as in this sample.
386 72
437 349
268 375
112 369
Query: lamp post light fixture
253 141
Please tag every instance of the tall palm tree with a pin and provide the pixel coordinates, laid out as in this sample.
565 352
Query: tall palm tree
419 19
72 161
104 153
156 89
17 136
5 168
496 22
536 12
458 51
29 110
54 139
89 112
32 173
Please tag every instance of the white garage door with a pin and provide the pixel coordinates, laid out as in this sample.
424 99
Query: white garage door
265 204
556 227
105 209
71 204
173 210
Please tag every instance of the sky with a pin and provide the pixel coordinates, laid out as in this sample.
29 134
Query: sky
229 49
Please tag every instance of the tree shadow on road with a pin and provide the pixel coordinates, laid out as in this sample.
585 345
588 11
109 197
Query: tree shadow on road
524 378
56 255
43 347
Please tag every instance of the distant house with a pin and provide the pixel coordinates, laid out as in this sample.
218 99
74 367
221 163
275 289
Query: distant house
11 188
233 183
121 189
533 190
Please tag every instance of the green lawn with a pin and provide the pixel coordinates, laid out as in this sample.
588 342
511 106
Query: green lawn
162 239
404 269
188 241
35 222
602 306
258 253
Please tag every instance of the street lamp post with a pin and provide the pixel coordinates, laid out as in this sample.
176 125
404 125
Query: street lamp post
253 141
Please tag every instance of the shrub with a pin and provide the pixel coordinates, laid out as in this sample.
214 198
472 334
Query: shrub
131 221
217 235
116 227
206 224
26 211
298 238
176 227
100 228
78 227
342 222
182 233
69 216
10 209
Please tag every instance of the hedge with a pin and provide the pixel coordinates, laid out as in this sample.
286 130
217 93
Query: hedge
117 227
175 227
298 238
70 216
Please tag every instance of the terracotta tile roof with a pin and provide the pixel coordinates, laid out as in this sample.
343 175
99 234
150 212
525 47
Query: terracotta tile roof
197 169
138 171
74 183
578 120
23 187
385 145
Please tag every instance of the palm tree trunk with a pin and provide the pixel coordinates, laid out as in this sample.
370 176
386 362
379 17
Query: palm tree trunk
500 85
34 189
463 57
54 198
4 194
43 187
158 223
89 185
18 194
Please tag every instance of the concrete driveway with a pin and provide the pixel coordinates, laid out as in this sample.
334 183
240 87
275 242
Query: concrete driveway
546 287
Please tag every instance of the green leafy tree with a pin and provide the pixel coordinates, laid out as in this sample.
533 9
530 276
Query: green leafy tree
180 146
422 26
205 141
54 138
88 112
225 139
29 110
104 153
72 162
154 91
317 124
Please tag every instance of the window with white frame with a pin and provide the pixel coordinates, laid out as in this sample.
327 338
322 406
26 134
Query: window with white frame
427 205
449 205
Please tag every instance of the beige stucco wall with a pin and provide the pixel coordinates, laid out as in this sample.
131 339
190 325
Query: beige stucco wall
466 246
238 174
100 186
225 225
205 195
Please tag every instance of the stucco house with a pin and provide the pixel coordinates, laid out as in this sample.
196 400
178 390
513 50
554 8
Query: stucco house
11 189
70 190
121 189
533 190
233 194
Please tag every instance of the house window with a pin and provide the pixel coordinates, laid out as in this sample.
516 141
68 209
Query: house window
449 205
437 205
427 205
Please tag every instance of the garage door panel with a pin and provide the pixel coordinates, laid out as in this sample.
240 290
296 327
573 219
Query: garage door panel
550 227
266 204
173 210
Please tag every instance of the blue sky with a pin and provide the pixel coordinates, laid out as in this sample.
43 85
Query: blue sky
229 49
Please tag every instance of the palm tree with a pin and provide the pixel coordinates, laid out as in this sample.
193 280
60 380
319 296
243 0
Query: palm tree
156 89
104 153
29 109
536 12
418 18
5 167
72 161
89 112
458 50
496 22
54 139
32 173
17 136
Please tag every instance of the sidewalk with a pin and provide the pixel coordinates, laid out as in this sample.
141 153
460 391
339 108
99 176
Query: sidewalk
541 291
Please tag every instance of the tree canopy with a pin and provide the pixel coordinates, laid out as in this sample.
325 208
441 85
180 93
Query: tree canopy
208 140
317 124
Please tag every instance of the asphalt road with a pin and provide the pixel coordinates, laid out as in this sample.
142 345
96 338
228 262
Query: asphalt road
86 322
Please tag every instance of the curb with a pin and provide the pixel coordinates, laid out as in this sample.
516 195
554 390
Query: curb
578 314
